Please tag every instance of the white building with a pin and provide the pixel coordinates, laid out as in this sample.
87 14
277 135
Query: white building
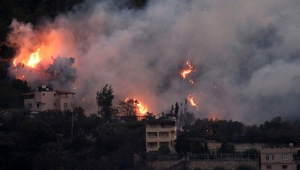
46 98
160 132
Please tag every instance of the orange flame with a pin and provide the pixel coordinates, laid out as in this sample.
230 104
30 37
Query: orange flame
142 108
192 102
20 77
186 72
34 59
15 64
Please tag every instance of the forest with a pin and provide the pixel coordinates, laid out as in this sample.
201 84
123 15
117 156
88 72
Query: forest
114 138
79 140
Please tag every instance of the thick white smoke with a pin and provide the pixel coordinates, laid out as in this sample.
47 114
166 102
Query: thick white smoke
246 54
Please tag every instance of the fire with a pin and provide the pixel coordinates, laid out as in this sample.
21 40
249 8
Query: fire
192 102
15 62
186 72
142 108
20 77
34 59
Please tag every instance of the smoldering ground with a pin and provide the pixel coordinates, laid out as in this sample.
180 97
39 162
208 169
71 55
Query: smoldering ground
246 54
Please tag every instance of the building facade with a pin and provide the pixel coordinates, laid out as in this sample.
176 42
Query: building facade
278 158
160 132
46 98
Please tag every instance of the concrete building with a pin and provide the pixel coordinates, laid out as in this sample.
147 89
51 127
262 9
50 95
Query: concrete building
160 132
46 98
278 158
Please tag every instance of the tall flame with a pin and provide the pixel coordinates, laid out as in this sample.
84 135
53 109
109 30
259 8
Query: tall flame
186 72
142 108
192 102
34 59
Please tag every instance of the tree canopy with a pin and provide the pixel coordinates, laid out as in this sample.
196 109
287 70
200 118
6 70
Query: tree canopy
104 101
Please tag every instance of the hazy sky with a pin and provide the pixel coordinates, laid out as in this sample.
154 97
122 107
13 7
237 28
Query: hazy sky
245 54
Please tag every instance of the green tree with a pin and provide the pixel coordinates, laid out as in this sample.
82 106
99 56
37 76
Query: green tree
62 72
164 150
227 148
128 107
244 167
253 153
171 111
104 101
183 144
199 146
219 168
149 116
176 110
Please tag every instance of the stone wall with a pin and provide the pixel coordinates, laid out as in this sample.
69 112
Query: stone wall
204 164
162 164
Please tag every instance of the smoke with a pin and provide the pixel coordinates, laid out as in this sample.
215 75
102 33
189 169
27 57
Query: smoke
246 54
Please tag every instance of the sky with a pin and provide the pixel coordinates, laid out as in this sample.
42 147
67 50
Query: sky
245 55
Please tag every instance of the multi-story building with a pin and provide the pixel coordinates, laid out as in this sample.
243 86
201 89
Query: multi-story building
46 98
160 132
278 158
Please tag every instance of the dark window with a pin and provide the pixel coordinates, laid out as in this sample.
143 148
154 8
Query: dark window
54 94
269 167
65 105
269 157
38 106
43 94
284 166
29 105
54 104
151 144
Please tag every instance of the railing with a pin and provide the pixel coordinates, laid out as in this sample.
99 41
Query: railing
198 157
236 156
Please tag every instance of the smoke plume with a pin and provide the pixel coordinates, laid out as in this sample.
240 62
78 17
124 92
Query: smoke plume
246 54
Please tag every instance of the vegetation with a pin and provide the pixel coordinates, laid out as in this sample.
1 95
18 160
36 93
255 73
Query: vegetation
164 150
104 101
45 142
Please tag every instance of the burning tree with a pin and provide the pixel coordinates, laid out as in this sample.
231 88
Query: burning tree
128 107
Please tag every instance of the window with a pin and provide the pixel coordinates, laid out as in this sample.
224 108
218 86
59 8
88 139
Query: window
163 143
54 104
54 94
29 105
284 157
163 134
152 134
152 144
269 157
269 167
284 166
38 106
65 105
43 94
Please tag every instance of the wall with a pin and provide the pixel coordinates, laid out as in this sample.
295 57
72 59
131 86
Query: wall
205 164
